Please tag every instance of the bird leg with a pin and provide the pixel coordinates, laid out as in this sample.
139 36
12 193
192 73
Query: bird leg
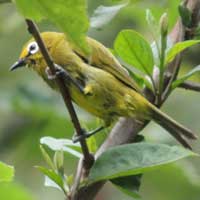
60 72
85 134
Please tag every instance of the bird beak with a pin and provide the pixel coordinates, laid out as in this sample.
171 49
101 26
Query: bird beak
20 63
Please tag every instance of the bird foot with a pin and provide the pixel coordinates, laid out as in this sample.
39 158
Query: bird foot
59 71
77 138
85 134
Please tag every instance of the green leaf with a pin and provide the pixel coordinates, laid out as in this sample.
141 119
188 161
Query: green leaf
6 172
52 176
178 48
177 82
134 50
131 159
47 157
62 145
140 80
69 16
104 14
59 162
129 185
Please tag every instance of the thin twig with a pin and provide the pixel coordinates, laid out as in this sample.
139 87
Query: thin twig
188 85
32 28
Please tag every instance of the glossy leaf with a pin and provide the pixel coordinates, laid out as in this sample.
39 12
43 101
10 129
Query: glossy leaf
62 145
104 14
178 48
69 16
134 50
177 82
131 159
6 172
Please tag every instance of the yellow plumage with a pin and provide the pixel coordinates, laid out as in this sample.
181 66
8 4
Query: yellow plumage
108 91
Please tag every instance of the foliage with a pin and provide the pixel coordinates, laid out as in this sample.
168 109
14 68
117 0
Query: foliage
62 13
134 159
41 119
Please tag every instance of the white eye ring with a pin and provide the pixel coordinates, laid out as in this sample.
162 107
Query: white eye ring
33 48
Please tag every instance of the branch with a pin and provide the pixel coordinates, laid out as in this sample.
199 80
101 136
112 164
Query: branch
88 158
188 85
126 129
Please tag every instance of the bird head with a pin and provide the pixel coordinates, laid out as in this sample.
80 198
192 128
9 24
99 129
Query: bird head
31 56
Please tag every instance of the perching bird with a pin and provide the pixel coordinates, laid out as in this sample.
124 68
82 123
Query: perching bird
98 83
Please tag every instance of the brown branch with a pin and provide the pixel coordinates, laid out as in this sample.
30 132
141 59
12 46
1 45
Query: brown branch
188 85
126 129
32 28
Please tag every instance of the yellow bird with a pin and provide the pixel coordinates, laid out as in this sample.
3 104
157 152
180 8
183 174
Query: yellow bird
99 84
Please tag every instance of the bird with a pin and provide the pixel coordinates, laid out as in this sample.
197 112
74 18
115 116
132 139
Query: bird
97 83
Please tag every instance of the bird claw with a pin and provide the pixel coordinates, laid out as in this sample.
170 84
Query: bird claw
59 71
85 134
50 76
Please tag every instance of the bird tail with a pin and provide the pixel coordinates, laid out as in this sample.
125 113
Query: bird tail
177 130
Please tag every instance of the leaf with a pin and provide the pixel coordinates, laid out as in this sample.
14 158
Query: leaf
131 159
6 172
177 82
140 80
52 176
129 185
59 162
50 183
69 16
178 48
62 145
134 50
104 14
47 158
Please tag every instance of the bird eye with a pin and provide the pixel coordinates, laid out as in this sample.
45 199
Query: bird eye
33 48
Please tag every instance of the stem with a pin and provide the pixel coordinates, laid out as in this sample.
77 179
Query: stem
188 85
153 85
32 28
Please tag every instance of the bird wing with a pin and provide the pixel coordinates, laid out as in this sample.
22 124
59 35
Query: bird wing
102 58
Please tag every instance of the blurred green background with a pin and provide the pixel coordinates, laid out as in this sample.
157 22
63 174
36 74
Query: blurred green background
30 110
